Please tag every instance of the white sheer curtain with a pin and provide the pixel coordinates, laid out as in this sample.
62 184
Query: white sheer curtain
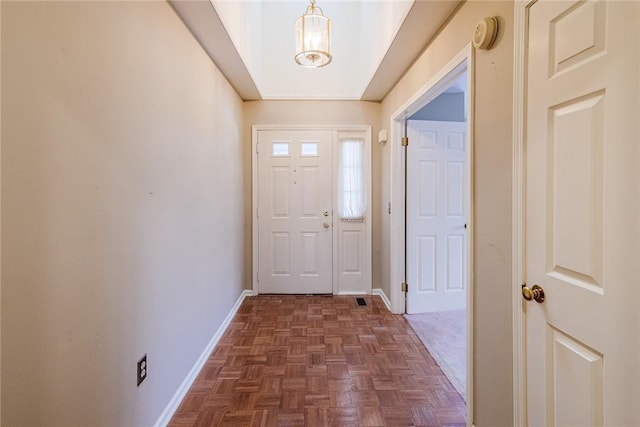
352 201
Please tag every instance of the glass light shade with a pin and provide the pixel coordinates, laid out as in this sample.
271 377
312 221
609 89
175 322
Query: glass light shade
313 38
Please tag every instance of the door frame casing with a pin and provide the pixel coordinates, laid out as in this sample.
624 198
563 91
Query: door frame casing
335 129
463 61
521 24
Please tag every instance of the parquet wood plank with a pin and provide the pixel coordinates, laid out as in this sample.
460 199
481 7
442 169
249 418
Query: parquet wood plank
319 361
343 417
370 416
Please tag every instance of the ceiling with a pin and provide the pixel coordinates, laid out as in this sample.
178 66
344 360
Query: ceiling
373 43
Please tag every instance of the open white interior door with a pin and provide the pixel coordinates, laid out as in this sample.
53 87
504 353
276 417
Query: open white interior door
436 216
582 194
295 211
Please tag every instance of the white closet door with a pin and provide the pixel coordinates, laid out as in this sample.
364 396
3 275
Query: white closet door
582 208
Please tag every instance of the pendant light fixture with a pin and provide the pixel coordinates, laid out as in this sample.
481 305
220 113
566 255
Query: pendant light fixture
313 38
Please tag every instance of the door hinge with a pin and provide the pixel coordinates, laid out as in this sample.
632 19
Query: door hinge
405 141
257 151
404 287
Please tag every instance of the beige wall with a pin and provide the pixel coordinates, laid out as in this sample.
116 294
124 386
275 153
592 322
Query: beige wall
317 113
492 193
122 208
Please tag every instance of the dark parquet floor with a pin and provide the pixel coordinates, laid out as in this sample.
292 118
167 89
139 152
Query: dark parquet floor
319 361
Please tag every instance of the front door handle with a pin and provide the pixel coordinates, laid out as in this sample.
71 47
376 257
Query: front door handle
326 225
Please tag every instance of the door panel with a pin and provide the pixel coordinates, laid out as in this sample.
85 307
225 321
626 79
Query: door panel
281 253
436 215
455 193
351 257
427 191
582 213
311 254
455 270
295 189
310 178
575 156
280 204
427 263
577 381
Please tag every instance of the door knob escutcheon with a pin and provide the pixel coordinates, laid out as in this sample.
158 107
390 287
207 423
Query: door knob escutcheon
534 293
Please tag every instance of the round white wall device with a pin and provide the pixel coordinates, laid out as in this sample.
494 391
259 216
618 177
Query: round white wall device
485 33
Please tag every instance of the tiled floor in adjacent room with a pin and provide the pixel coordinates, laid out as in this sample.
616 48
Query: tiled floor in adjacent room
319 361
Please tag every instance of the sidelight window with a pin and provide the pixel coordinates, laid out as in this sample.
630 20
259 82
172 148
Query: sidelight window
352 201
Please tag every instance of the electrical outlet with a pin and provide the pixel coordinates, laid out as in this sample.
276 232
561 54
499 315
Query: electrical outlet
142 369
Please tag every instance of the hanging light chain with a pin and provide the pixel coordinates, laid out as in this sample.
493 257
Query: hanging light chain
311 9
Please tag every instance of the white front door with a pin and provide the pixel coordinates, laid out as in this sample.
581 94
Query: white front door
295 211
436 216
582 213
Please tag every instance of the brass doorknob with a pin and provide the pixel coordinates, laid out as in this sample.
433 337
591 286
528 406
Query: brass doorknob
536 293
325 225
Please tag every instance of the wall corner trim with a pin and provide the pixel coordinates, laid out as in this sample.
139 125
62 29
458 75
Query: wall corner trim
181 392
383 296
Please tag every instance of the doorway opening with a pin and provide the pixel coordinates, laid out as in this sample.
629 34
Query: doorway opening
432 223
436 229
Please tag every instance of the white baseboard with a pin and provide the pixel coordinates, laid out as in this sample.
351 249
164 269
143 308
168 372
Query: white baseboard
175 401
380 293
